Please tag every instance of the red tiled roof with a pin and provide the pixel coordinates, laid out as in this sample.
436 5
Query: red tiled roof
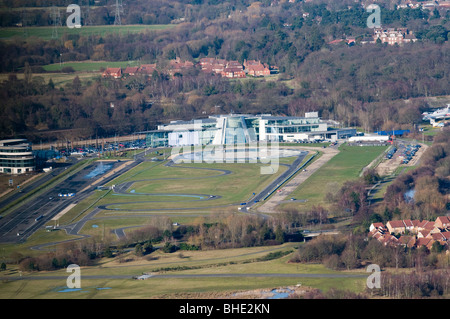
396 223
408 223
131 69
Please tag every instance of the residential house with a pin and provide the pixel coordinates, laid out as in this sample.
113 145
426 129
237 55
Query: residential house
232 72
442 222
258 70
408 241
376 226
422 233
115 73
177 66
396 226
131 70
147 69
393 36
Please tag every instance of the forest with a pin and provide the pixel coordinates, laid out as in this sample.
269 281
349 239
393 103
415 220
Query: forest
372 86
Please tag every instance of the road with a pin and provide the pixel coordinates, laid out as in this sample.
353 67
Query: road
17 226
25 219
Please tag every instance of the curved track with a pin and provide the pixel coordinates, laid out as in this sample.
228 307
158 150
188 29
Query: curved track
122 189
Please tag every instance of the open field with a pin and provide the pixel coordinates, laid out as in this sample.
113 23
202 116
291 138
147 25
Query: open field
59 79
47 32
156 186
346 165
89 66
202 273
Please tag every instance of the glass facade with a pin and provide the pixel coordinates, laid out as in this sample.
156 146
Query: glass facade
238 129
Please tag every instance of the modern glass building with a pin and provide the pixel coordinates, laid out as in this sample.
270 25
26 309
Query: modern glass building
244 129
16 157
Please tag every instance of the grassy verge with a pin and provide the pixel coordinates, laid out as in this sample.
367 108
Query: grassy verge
254 260
346 165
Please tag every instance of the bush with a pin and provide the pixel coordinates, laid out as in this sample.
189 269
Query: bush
169 248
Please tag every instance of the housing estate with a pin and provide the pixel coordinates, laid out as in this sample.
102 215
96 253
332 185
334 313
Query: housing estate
222 67
412 233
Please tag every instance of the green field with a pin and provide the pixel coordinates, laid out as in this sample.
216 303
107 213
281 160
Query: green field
229 261
346 165
89 66
46 33
159 180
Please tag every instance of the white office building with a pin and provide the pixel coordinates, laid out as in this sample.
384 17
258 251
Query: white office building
244 129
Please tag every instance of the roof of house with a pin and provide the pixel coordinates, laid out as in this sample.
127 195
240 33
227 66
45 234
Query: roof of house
131 69
408 223
395 223
423 241
443 220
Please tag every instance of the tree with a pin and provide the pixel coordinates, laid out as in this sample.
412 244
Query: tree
138 250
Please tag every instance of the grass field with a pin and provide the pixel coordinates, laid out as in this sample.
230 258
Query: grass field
89 66
47 32
229 261
344 166
157 179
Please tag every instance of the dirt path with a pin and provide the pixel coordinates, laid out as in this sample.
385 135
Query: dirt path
270 206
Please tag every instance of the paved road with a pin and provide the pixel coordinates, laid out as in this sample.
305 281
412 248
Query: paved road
24 220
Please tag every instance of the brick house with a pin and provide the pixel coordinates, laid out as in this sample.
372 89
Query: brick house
147 69
256 68
115 73
442 222
230 72
393 36
396 226
131 70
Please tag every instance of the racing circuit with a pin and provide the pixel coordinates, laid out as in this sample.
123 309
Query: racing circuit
126 189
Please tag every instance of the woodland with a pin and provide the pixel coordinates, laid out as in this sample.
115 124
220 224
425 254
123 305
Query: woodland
371 86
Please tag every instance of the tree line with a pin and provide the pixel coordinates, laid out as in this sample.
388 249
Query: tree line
362 85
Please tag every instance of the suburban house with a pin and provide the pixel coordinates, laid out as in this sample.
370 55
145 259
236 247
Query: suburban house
256 68
419 233
393 36
233 72
177 66
147 69
115 73
131 70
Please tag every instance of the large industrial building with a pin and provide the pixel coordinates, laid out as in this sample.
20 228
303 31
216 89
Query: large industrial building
245 129
16 157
